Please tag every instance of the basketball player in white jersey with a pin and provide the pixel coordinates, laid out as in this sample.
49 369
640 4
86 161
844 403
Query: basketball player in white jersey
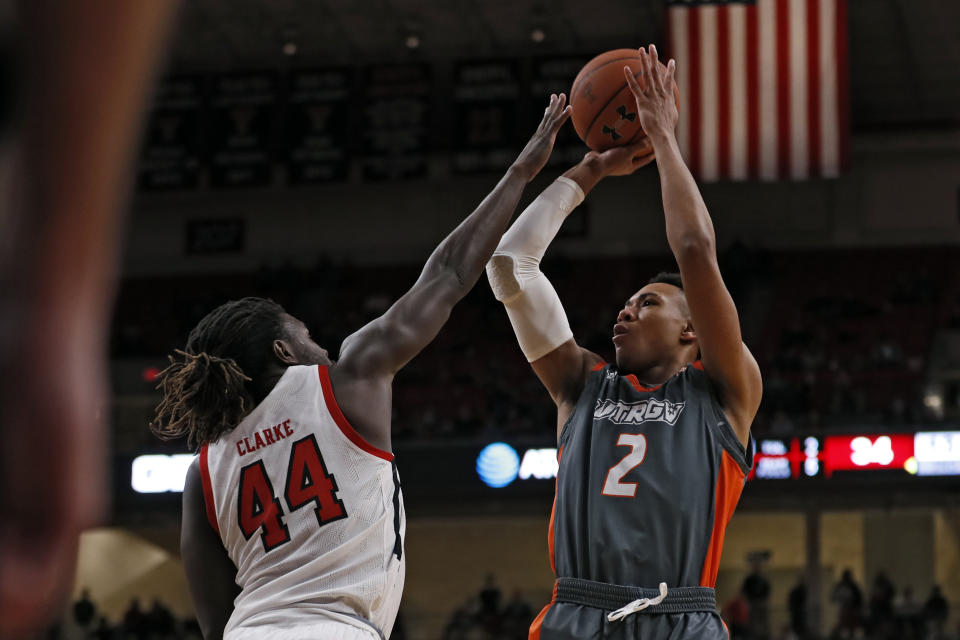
293 519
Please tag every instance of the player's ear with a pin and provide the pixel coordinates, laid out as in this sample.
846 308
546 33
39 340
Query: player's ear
283 352
688 335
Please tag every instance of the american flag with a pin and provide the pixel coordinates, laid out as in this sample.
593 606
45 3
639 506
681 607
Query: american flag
763 85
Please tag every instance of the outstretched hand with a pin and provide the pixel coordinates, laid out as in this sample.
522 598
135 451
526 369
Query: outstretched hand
622 161
656 102
535 154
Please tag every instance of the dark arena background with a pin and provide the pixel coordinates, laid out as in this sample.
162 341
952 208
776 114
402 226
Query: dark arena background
315 153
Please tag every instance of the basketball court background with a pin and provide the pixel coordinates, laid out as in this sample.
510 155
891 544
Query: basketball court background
310 152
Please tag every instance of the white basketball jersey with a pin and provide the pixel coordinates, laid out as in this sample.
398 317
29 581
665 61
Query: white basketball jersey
309 512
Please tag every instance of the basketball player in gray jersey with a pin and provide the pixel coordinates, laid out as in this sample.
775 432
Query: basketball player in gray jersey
654 448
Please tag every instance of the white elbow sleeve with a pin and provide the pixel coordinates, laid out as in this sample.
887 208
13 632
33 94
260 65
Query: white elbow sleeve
532 303
535 311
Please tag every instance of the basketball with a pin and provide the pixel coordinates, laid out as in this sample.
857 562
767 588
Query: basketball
604 112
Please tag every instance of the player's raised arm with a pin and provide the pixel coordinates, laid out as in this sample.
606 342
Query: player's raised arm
690 233
382 347
532 304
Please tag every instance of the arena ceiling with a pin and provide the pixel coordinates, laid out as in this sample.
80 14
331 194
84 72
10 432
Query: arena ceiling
905 54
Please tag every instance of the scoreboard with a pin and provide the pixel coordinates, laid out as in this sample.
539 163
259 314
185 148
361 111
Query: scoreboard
924 453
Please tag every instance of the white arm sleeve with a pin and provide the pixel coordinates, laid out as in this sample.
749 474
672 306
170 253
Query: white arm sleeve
532 303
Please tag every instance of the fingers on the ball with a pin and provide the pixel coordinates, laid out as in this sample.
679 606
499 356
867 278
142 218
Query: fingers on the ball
671 72
649 72
562 117
631 80
658 77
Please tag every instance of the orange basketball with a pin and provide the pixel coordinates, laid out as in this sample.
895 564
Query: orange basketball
604 111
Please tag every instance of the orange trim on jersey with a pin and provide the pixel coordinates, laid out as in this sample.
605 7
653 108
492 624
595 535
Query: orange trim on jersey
341 419
632 379
538 621
639 387
729 485
598 366
211 508
553 512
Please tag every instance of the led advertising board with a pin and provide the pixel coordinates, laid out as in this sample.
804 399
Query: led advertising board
782 459
867 452
936 453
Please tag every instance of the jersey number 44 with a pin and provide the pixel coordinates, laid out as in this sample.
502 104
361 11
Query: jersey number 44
307 483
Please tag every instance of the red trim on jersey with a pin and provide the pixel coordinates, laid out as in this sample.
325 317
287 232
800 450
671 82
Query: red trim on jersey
729 485
598 366
698 365
341 419
538 621
208 490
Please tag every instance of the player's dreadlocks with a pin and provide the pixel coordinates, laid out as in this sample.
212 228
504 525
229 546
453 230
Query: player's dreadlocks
218 378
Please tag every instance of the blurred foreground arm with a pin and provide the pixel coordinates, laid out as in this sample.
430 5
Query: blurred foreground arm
87 68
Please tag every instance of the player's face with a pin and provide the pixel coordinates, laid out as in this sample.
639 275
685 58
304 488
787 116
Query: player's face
651 327
301 345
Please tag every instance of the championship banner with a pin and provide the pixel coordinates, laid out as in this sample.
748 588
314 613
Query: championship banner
486 127
555 75
764 88
317 125
242 117
395 121
170 157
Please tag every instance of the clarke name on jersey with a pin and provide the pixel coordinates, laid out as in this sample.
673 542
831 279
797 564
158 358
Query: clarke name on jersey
264 438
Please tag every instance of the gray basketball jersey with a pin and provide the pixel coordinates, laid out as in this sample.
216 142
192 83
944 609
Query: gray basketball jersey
648 480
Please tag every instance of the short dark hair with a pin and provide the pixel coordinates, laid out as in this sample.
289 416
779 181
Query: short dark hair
667 277
216 380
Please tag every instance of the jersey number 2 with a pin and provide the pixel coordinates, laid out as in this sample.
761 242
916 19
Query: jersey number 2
638 450
308 482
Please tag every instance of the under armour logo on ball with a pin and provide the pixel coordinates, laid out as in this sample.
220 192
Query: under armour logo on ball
624 117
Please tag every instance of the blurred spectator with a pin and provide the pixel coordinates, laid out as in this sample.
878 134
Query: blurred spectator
756 589
103 631
134 621
84 610
881 606
909 615
459 626
159 620
736 613
935 612
797 605
489 616
490 596
846 595
517 616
